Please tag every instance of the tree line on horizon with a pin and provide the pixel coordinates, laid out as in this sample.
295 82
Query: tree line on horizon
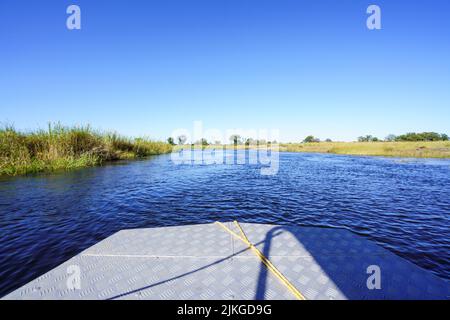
238 140
234 139
410 136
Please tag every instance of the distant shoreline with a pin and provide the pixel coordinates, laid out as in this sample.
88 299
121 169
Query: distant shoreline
65 148
401 149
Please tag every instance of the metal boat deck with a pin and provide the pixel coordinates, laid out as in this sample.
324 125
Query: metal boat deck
206 262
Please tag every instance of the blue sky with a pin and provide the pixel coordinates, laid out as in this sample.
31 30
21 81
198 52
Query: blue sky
303 67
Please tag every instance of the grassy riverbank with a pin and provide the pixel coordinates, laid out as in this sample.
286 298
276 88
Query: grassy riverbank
419 149
65 148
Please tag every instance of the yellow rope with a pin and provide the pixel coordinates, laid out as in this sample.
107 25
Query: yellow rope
264 260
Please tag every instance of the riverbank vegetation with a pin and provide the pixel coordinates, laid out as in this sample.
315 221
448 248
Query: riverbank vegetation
417 149
423 149
414 145
64 148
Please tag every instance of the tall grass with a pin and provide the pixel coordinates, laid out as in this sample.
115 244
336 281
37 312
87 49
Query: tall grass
61 147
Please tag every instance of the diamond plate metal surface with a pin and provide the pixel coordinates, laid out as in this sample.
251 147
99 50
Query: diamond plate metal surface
206 262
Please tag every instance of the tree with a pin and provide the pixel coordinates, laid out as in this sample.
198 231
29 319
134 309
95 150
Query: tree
423 136
170 141
204 142
261 142
329 140
364 138
310 139
390 138
250 141
182 139
368 138
235 139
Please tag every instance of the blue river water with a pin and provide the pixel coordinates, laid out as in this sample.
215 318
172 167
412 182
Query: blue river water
402 204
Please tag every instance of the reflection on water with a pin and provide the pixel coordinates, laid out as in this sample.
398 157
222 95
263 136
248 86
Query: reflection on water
403 205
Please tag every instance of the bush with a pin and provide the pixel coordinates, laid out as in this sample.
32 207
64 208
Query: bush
424 136
368 138
390 138
310 139
170 141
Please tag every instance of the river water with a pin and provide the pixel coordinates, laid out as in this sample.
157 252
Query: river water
402 204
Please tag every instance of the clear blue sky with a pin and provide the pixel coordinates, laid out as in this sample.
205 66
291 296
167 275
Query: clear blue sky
304 67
